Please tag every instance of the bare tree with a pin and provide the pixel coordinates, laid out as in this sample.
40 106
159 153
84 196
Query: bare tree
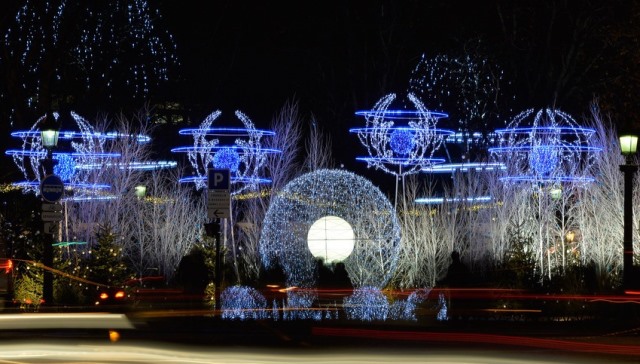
287 126
423 254
129 149
172 220
317 148
599 210
281 168
153 231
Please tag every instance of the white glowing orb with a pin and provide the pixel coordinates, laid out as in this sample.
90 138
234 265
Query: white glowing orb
331 239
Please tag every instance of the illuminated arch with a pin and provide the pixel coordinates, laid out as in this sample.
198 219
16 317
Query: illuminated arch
339 193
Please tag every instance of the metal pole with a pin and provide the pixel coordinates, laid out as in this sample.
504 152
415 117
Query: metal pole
629 171
218 272
47 257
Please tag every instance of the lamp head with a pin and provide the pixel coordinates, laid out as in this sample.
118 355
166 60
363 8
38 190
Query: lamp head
140 191
49 131
570 236
628 144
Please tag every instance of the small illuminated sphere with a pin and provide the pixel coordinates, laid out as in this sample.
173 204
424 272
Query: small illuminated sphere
65 167
331 239
242 303
543 159
227 158
367 304
402 141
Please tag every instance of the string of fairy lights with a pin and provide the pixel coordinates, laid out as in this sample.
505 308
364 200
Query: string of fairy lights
111 45
238 149
400 141
338 193
545 146
79 162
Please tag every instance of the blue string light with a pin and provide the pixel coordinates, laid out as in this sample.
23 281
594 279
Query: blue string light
402 141
237 149
226 158
400 149
545 146
543 159
367 304
87 153
243 303
65 168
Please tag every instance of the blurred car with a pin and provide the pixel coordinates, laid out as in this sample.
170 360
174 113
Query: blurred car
112 299
154 292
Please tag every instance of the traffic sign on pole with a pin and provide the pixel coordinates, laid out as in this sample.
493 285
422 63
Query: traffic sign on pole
51 207
219 179
50 228
218 197
51 215
52 188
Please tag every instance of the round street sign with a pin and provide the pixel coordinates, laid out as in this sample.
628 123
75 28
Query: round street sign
52 188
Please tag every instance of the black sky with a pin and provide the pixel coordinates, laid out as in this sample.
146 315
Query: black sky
338 56
333 57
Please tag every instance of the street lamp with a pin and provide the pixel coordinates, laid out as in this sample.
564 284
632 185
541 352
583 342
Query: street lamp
49 134
628 146
140 192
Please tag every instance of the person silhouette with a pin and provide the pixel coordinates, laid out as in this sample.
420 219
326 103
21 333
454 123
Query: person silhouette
458 274
193 276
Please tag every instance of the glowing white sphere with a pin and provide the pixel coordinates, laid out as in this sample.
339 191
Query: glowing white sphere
331 238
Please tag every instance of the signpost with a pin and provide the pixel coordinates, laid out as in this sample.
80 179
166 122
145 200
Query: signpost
52 188
218 207
219 197
51 215
50 228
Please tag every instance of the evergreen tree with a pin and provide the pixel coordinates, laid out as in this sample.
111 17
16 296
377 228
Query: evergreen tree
105 264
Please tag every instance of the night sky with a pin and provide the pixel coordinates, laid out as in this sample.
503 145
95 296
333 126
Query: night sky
337 57
333 58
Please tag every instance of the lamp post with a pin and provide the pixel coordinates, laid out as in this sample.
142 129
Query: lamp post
628 146
49 135
141 192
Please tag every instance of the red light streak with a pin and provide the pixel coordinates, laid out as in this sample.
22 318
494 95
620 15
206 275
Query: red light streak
564 345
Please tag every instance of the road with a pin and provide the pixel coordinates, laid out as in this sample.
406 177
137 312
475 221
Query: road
187 337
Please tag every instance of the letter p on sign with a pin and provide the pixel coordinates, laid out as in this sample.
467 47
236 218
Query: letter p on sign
218 179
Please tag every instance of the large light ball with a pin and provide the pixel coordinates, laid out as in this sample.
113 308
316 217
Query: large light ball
331 239
309 204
